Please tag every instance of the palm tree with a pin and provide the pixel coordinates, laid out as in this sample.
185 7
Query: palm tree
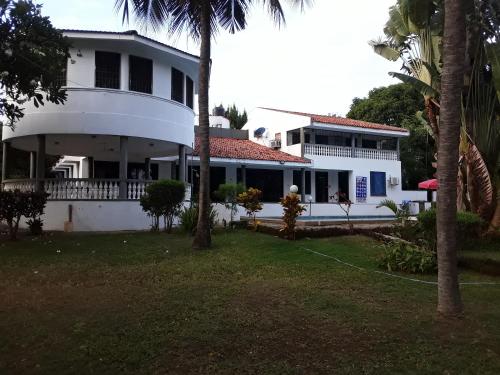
449 300
201 19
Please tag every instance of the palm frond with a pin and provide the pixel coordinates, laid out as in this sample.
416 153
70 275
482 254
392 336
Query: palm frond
422 87
385 49
390 204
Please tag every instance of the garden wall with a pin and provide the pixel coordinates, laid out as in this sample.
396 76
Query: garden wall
128 215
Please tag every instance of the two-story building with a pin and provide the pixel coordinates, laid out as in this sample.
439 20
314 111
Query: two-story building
129 119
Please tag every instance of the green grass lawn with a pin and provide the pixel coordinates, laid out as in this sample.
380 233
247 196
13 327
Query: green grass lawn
146 303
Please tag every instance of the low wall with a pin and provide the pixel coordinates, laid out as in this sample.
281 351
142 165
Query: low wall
128 215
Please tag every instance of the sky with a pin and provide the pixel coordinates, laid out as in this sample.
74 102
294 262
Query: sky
318 62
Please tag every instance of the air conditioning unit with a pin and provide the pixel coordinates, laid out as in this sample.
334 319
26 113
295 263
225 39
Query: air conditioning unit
276 143
393 181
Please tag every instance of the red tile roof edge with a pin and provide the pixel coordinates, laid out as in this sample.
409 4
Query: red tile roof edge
342 121
245 149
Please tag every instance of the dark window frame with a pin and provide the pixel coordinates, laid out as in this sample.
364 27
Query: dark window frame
134 81
189 92
177 83
104 76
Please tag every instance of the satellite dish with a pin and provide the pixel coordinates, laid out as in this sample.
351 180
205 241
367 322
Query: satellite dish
259 132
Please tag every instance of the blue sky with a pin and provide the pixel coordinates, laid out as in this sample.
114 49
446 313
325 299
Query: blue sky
317 63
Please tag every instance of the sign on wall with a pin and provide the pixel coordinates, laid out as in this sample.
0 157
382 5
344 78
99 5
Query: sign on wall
361 189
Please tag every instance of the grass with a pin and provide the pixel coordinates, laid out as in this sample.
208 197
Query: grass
146 303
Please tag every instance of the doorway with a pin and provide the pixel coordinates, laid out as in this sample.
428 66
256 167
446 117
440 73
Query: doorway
344 185
321 179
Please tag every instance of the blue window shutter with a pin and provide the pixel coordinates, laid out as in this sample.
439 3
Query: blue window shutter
377 184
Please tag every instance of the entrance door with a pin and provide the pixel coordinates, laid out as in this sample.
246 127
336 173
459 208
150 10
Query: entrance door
321 187
344 184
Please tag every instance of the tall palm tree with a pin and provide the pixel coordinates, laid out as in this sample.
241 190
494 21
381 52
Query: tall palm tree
449 300
201 19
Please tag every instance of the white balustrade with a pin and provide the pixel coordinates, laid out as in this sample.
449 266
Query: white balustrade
136 189
21 185
346 152
370 153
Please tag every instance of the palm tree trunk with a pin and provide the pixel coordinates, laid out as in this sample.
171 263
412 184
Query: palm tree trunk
449 301
202 238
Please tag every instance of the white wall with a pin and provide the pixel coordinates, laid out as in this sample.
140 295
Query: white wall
102 216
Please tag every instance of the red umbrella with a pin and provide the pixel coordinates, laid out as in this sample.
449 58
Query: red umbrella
428 184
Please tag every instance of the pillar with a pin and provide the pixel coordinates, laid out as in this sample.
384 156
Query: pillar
90 160
182 163
244 176
123 166
40 162
303 185
302 141
5 154
32 164
147 168
353 145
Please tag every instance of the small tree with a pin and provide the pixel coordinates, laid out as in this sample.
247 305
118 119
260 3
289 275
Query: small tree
345 205
32 59
12 206
163 198
35 205
250 201
228 194
291 210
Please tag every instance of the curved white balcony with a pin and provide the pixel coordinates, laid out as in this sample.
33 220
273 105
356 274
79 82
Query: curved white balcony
91 115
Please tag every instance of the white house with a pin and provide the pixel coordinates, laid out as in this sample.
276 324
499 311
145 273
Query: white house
129 120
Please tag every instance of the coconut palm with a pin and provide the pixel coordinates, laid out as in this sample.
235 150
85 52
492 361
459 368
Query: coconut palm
201 19
414 35
449 301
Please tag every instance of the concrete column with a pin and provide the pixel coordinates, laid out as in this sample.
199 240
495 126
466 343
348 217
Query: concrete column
32 164
244 175
182 163
90 160
353 145
40 162
147 168
303 183
5 153
123 166
302 141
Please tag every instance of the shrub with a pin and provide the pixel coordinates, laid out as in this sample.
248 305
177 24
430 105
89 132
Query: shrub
469 228
401 256
163 198
35 205
291 210
15 204
402 212
250 200
342 200
189 218
228 194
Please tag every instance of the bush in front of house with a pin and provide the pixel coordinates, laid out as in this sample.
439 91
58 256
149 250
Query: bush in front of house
35 205
228 195
15 204
405 257
469 228
292 209
188 218
163 198
250 201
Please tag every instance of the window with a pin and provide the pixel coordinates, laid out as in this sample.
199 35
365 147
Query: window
271 186
62 79
189 92
107 70
141 75
177 86
297 180
377 184
369 143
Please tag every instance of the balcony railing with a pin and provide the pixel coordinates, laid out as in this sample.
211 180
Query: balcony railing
81 188
347 152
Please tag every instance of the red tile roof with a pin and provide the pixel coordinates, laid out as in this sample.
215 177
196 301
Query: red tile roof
231 148
335 120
